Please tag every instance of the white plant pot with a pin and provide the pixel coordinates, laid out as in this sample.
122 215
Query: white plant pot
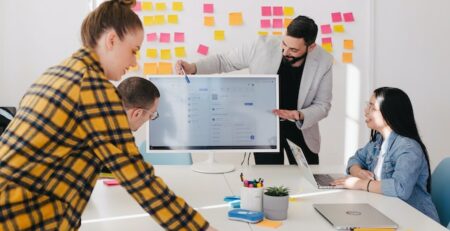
275 208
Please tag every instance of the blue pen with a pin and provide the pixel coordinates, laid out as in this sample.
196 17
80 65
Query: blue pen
185 76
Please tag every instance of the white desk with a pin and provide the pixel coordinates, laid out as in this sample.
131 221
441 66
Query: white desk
111 208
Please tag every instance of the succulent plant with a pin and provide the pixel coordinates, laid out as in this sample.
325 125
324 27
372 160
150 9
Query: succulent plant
277 191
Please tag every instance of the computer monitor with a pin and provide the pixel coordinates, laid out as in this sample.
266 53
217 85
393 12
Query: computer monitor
215 113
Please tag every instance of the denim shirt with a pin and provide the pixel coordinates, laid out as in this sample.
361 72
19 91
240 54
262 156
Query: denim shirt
404 173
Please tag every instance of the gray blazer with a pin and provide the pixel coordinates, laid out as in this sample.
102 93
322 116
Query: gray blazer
263 56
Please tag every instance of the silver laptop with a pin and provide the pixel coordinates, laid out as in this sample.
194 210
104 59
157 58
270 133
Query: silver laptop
322 181
351 216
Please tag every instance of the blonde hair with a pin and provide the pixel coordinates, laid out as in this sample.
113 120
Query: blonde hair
115 14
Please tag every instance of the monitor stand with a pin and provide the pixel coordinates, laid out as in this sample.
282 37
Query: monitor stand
211 166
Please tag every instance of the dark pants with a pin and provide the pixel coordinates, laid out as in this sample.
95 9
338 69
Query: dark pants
288 130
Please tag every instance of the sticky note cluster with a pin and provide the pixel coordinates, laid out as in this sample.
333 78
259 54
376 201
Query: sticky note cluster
157 6
275 17
162 68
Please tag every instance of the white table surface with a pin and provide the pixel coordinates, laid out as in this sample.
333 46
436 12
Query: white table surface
112 208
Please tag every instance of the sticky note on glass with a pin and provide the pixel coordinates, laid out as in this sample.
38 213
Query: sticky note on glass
152 53
348 44
165 54
151 37
277 23
180 52
160 6
263 33
147 6
286 22
208 8
148 20
178 37
277 33
235 19
160 19
219 35
177 6
336 17
266 11
265 23
150 68
328 47
164 37
348 17
288 11
269 224
326 29
202 49
347 57
338 28
165 68
172 19
277 11
326 40
208 20
137 7
138 55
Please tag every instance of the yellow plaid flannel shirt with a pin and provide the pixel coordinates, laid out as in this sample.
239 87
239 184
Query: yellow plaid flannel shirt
69 124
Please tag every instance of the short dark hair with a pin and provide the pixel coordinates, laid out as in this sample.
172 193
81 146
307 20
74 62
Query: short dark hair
137 92
303 27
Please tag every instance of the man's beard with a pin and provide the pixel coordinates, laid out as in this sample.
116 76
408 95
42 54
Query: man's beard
294 59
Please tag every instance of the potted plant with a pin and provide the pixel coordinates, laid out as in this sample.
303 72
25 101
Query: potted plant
276 202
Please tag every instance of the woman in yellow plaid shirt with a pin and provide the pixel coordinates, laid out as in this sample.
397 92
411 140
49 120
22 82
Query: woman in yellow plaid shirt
70 123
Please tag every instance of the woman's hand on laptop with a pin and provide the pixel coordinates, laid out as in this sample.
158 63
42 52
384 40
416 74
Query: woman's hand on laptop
357 171
351 182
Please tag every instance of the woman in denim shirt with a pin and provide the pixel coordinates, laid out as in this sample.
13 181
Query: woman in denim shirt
395 161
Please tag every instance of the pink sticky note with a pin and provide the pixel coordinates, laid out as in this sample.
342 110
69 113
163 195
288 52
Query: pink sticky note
336 17
348 17
278 11
208 8
277 23
266 11
164 37
326 40
151 37
202 49
137 7
179 37
265 23
326 29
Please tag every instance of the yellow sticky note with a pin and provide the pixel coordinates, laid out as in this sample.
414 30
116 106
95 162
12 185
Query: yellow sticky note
180 52
148 6
263 33
278 33
165 54
159 19
338 28
288 11
172 19
177 6
152 53
165 68
328 47
138 55
148 20
347 57
161 6
269 224
134 68
235 19
292 199
208 20
219 35
286 22
348 44
150 68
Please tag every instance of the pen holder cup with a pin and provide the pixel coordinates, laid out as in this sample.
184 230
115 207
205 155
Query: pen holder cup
252 198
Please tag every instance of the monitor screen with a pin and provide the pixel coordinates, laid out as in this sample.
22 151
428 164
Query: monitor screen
215 113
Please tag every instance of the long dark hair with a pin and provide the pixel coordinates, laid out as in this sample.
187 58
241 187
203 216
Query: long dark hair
397 111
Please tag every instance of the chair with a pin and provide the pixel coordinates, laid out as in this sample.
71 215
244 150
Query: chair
440 190
165 158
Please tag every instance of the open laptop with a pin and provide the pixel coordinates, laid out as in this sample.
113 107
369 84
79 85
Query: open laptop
351 216
322 181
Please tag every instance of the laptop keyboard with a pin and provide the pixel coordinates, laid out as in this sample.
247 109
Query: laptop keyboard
323 179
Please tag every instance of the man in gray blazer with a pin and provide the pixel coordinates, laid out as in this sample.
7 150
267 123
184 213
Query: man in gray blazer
305 82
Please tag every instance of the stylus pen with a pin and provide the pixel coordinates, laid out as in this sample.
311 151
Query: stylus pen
185 76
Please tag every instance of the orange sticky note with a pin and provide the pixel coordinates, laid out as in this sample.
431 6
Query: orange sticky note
278 33
159 19
263 33
161 6
177 6
150 68
180 52
165 68
269 224
208 20
152 53
147 6
165 54
338 28
288 11
219 35
286 22
328 47
348 44
347 57
235 19
172 19
148 20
